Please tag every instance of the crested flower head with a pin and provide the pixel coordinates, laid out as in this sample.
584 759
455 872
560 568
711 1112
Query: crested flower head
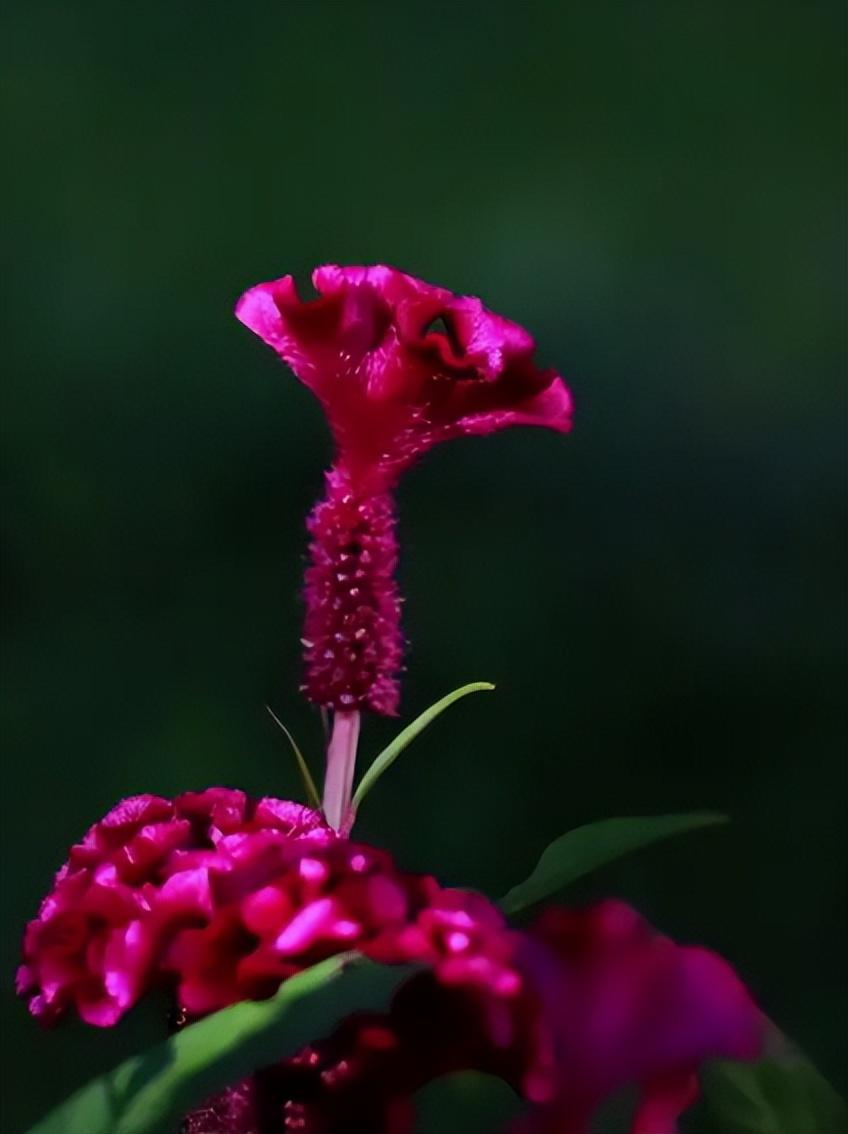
220 898
149 869
217 898
589 1002
400 365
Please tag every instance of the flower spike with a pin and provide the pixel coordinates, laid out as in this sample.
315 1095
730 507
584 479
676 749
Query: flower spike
398 365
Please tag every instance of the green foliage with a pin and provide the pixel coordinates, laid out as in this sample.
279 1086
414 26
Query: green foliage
312 796
148 1093
781 1094
586 848
476 1103
389 754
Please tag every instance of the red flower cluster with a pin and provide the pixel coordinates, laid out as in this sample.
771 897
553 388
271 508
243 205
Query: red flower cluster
148 872
219 899
398 365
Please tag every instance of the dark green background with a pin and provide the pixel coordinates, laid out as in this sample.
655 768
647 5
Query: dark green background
656 190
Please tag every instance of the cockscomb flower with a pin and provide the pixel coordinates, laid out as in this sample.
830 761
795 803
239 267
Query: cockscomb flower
215 898
145 871
218 898
398 365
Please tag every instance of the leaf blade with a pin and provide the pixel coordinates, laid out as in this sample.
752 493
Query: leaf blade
309 787
782 1093
149 1092
404 738
587 848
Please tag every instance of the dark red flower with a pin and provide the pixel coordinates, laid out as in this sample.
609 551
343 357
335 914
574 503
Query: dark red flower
398 365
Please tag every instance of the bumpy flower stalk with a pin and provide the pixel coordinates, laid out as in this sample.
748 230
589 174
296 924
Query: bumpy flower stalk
352 640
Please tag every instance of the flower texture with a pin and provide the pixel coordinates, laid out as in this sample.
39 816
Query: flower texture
398 366
216 898
149 870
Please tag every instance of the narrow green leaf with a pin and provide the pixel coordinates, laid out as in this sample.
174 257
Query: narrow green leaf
388 756
586 848
148 1093
306 776
782 1093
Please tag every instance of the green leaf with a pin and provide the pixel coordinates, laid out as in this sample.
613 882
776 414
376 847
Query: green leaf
309 787
586 848
466 1101
388 756
148 1093
780 1094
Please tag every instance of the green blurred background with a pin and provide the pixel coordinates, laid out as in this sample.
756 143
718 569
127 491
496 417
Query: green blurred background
656 190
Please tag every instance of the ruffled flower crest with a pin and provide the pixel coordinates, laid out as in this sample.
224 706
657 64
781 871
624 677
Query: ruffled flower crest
400 365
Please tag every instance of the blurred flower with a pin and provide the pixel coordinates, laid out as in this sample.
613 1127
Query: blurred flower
626 1005
398 365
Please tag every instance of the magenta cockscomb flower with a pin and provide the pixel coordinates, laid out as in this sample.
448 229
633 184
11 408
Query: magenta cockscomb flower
398 365
215 898
147 870
218 898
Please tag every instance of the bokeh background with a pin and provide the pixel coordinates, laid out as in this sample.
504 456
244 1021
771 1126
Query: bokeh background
657 191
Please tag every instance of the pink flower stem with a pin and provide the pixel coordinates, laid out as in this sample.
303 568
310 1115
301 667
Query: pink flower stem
341 762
